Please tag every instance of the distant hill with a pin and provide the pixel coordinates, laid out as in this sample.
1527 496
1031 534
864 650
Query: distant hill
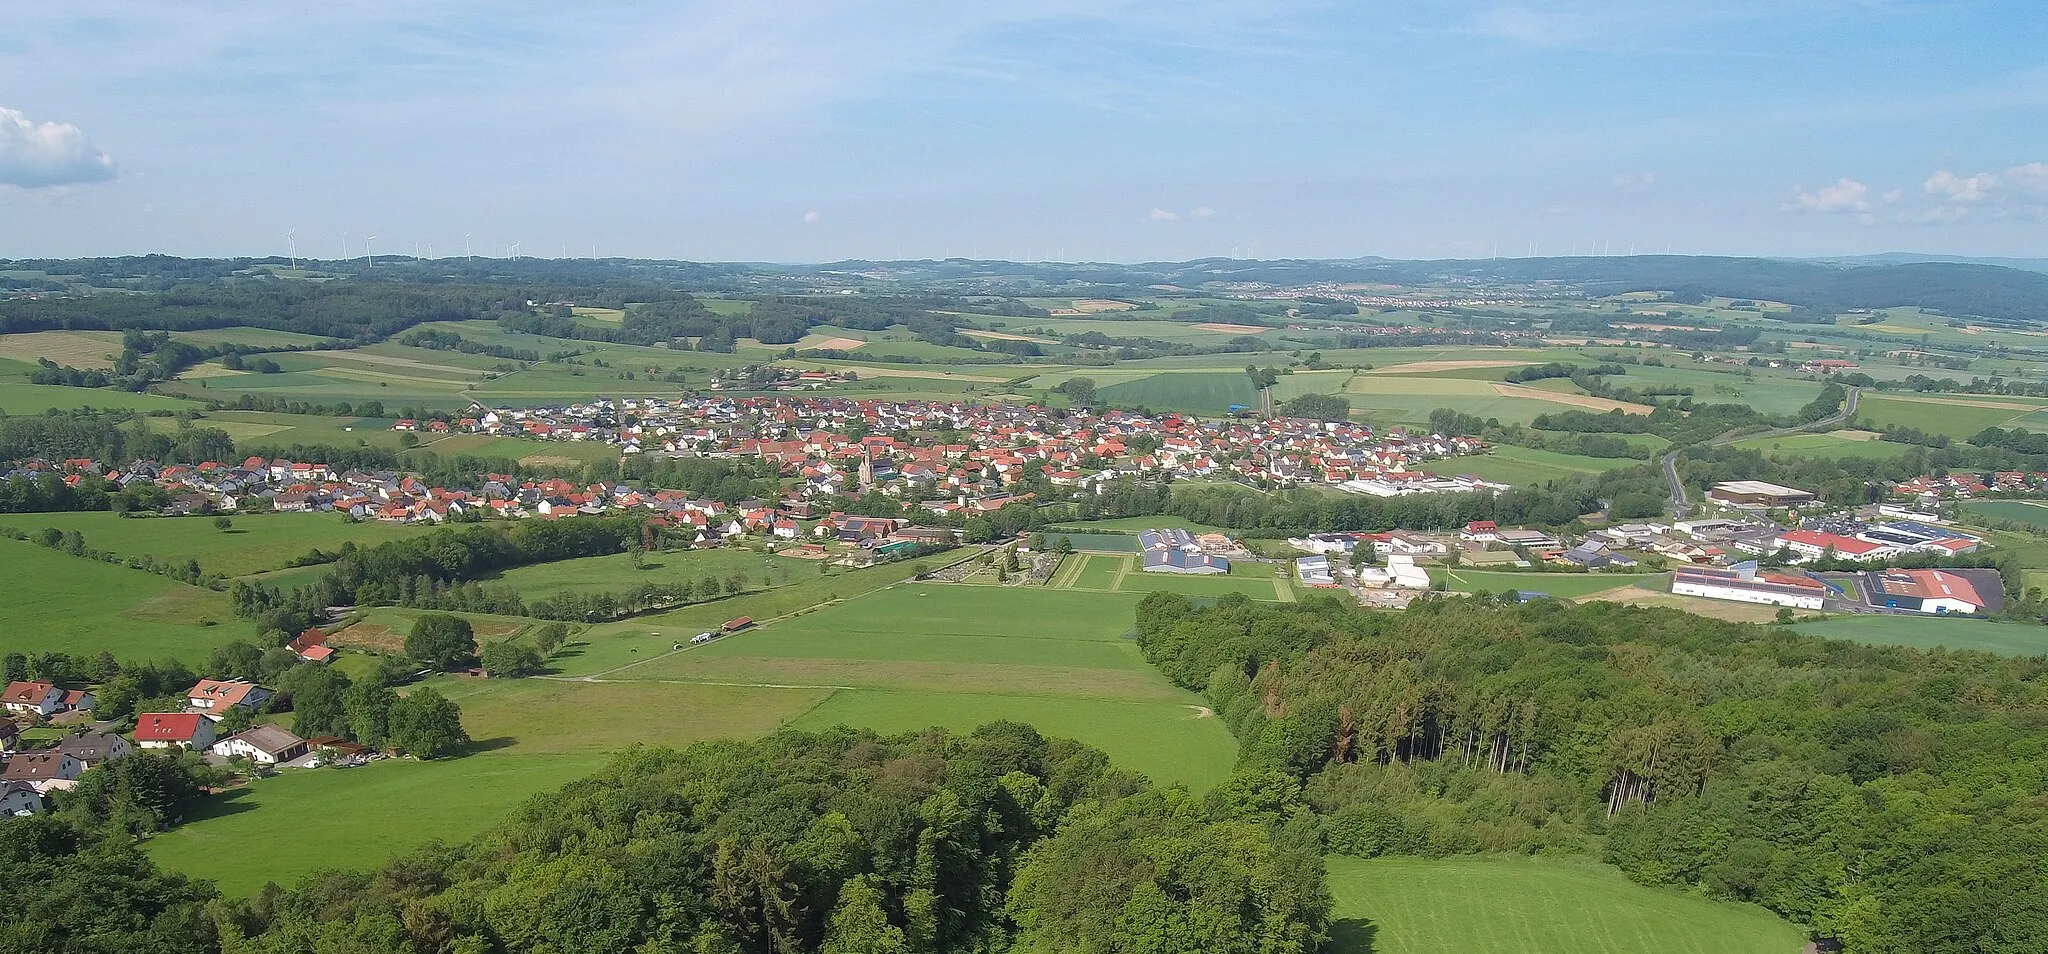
1906 258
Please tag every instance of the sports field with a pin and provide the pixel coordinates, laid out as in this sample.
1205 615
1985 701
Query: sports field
1515 905
56 602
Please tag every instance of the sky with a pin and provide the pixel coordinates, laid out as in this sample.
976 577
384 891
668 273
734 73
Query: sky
1070 130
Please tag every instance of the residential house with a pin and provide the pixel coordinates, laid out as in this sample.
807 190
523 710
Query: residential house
39 698
170 730
19 798
45 770
93 748
263 744
215 697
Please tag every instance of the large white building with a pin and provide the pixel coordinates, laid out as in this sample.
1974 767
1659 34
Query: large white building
1744 583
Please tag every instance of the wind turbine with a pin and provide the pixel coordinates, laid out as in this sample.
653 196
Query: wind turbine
344 246
367 255
291 238
466 250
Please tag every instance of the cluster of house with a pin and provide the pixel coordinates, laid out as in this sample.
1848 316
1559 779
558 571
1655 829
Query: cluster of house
954 445
1929 491
29 774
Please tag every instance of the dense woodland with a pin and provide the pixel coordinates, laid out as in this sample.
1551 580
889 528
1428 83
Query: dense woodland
842 842
1889 798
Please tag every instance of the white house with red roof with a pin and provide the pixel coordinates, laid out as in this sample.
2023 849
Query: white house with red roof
171 730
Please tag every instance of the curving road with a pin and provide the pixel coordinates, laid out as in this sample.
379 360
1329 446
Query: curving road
1681 507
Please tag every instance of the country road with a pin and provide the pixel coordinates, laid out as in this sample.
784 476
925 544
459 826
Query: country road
1681 507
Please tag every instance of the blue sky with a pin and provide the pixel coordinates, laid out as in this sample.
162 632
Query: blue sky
1032 129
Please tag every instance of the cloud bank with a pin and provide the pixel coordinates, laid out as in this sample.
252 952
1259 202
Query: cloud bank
37 156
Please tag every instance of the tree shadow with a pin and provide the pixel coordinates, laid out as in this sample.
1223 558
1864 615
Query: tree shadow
234 801
1352 936
476 746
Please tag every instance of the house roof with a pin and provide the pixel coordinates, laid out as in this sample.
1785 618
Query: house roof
167 726
32 766
267 738
31 693
230 692
1929 585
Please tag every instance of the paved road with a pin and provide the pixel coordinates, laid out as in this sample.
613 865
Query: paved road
1681 507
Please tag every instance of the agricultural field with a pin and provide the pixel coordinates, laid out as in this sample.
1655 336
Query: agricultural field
1134 524
1958 416
1140 581
1494 904
90 350
1855 444
2027 513
256 543
56 602
1927 632
1525 466
1203 392
252 337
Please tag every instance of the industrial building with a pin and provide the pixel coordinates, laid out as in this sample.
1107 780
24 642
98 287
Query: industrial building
1757 494
1175 551
1744 583
1938 592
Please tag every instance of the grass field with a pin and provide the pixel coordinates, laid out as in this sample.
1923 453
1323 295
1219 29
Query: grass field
2024 512
1955 415
1561 585
56 602
258 542
1139 581
1100 571
916 654
1825 445
1925 632
1523 466
1514 905
1135 524
77 349
616 572
1204 392
20 398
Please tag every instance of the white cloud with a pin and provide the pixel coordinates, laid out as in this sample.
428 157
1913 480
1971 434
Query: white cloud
811 218
1892 197
1161 215
1634 181
1846 195
1960 188
35 156
1203 212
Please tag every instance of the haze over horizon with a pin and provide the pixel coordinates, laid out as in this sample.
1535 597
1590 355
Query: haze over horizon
1043 129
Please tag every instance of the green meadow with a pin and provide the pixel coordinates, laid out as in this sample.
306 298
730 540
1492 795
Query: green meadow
56 602
1514 905
256 542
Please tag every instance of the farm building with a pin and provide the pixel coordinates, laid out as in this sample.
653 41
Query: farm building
1744 583
1935 591
1757 494
1175 551
264 745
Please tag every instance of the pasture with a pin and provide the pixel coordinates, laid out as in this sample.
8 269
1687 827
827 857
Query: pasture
18 399
1496 904
1959 416
616 572
2029 513
1832 444
56 602
1202 392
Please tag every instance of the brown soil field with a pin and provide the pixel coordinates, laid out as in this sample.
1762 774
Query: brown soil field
1005 336
828 344
1231 329
867 372
369 636
1096 306
77 349
1587 402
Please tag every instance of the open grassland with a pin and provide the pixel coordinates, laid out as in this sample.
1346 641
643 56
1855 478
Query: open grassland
616 572
1928 632
1141 581
1767 391
285 828
257 543
77 349
19 398
1561 585
56 602
1524 466
1514 905
522 717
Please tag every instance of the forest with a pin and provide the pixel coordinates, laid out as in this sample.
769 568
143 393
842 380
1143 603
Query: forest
842 842
1890 799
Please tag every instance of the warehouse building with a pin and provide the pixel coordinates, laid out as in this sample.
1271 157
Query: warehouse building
1744 583
1938 592
1757 494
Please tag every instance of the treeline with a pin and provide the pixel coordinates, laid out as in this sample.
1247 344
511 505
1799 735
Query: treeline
1304 511
1453 423
1885 797
398 570
360 312
839 842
